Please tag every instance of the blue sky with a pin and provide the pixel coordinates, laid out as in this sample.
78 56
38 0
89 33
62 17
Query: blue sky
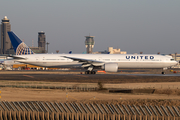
149 26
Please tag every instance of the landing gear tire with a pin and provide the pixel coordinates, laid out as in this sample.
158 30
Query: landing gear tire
93 72
163 73
90 72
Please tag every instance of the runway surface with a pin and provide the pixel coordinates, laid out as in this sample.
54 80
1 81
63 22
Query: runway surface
165 75
82 78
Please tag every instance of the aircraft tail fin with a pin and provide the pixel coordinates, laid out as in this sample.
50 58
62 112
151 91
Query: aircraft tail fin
20 47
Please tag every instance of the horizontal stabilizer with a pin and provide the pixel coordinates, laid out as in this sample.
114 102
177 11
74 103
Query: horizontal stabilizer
17 57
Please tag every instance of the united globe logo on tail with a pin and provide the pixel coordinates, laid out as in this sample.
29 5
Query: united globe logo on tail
23 49
20 47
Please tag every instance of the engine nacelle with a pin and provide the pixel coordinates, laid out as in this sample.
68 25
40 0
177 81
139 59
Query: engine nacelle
110 67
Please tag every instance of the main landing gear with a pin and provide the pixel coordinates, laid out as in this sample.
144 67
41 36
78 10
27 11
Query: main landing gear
90 72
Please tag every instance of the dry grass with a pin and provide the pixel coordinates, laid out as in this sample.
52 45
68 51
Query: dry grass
167 91
162 95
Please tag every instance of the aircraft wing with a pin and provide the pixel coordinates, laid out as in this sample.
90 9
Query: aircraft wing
86 61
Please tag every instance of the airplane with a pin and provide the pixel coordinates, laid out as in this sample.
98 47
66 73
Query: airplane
91 62
9 62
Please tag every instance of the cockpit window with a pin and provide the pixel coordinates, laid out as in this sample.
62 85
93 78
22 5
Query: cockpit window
172 59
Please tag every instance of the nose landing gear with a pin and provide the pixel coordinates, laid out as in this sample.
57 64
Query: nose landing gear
163 73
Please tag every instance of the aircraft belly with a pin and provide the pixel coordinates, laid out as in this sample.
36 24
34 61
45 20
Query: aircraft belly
144 64
55 64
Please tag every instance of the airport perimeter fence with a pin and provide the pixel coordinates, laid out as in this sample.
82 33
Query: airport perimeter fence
4 115
37 110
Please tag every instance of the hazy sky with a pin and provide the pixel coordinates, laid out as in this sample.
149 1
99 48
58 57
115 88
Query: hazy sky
149 26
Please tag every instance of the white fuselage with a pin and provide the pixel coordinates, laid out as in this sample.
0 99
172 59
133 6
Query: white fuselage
124 61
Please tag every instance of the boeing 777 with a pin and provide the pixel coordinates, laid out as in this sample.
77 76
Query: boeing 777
107 62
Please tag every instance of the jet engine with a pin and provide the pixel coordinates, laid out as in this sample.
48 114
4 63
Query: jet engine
110 67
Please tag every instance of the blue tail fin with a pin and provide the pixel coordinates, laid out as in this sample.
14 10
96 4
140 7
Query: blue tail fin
20 47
